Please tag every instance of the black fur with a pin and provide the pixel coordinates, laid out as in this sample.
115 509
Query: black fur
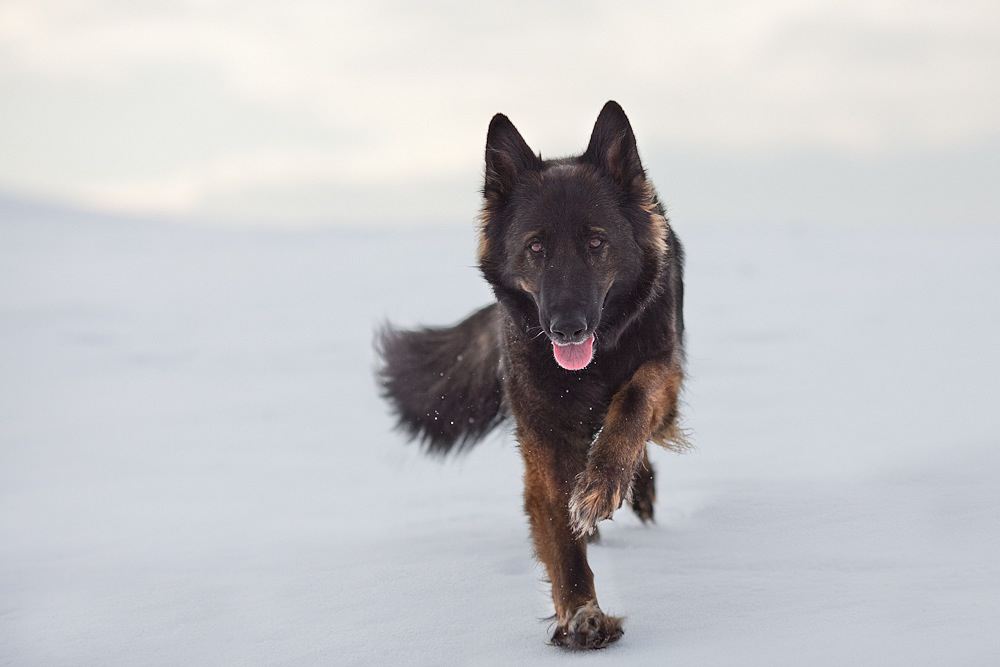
444 383
583 349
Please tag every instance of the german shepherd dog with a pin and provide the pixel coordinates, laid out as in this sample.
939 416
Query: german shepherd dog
583 349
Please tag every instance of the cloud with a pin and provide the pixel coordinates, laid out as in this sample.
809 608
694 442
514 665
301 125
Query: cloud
386 89
294 186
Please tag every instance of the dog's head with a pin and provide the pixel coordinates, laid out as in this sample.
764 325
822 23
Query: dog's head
571 246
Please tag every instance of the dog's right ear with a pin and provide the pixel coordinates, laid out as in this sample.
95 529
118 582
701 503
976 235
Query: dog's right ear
508 159
612 148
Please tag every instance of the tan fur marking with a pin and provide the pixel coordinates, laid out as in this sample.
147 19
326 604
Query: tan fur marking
644 409
484 245
527 287
659 222
666 430
660 384
548 479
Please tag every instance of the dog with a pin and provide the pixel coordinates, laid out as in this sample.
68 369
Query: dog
583 349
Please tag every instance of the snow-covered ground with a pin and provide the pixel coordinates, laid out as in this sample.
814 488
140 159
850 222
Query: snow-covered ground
196 469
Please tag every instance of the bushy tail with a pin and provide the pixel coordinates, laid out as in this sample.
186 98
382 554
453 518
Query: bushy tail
444 383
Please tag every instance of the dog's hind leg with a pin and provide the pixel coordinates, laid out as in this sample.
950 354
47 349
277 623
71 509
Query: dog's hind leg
548 478
644 489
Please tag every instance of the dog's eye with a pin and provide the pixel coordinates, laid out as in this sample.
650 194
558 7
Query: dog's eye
596 242
536 247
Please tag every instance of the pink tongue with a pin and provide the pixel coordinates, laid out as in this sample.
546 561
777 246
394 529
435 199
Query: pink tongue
574 356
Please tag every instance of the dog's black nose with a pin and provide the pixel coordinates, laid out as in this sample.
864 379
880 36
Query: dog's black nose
568 329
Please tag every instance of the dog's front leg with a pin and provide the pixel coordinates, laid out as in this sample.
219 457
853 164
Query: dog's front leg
641 408
549 472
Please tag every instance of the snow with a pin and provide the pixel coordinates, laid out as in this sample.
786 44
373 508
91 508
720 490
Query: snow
196 469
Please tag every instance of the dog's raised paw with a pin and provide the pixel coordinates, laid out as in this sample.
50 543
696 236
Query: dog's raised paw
594 499
588 628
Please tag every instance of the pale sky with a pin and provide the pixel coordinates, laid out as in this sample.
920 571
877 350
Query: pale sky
375 113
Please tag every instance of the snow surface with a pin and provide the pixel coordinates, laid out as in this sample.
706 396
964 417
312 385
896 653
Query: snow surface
196 469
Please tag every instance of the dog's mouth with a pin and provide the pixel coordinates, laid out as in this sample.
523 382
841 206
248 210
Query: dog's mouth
574 356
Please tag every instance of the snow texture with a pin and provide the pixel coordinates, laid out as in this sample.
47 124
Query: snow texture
196 469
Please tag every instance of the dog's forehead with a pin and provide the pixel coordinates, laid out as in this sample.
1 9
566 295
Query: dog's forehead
572 192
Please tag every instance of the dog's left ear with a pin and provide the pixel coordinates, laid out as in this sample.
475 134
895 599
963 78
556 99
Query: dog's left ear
612 148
